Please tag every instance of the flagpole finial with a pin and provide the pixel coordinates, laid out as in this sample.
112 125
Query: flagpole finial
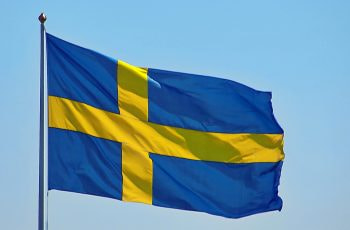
42 18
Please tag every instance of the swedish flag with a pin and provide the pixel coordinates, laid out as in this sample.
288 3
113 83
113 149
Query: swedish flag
158 137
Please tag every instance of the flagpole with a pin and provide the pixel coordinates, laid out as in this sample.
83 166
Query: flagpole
42 212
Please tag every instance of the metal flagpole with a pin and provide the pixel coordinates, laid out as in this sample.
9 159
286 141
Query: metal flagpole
42 214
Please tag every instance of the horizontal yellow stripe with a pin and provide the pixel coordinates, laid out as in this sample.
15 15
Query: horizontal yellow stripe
165 140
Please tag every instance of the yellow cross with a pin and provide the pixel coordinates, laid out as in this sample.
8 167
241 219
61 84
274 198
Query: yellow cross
140 137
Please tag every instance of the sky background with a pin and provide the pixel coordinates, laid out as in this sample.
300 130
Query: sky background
299 50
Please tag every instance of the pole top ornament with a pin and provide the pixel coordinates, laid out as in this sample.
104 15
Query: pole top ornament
42 18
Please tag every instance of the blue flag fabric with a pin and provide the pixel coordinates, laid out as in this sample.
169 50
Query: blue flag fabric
159 137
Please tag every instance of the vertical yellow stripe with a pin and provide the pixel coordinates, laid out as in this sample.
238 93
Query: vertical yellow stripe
136 164
132 91
137 175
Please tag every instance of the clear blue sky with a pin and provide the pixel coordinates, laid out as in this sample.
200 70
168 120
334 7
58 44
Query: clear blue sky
299 50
